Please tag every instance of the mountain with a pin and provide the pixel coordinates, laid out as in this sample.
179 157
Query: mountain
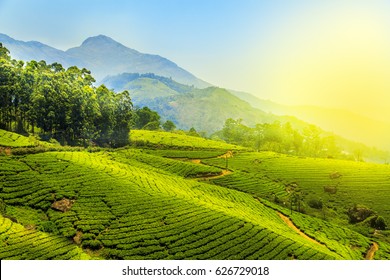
34 50
341 122
103 56
204 109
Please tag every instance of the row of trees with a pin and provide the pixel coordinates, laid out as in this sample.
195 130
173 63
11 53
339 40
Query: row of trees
60 103
281 138
63 104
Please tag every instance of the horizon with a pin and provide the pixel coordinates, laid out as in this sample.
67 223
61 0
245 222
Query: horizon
328 54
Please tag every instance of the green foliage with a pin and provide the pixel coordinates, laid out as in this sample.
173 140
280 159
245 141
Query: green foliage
48 226
62 104
186 154
268 174
177 140
2 207
281 138
378 223
10 139
139 204
315 203
157 214
17 242
147 119
359 213
92 244
168 126
26 216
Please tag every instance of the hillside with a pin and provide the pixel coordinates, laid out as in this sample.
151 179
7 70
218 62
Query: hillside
103 56
350 125
140 204
337 184
204 109
10 139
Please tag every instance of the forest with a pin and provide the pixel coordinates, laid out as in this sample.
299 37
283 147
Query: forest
61 103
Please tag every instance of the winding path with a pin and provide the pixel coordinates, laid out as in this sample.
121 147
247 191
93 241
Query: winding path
297 230
371 252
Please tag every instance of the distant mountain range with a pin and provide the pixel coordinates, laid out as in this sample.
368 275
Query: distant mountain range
178 95
103 56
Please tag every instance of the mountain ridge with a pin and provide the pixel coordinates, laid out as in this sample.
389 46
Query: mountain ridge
103 56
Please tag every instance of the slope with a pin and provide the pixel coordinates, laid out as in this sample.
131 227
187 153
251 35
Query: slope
357 127
123 205
34 50
17 242
204 109
326 188
156 214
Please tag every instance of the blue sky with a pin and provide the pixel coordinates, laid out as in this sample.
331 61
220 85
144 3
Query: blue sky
195 34
294 52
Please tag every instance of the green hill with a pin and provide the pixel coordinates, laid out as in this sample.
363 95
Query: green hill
327 188
204 109
10 139
139 204
172 140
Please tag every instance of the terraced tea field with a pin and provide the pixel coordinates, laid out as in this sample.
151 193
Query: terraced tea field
338 184
10 139
140 204
162 139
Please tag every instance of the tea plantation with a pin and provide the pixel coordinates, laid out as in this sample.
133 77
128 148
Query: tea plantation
336 184
153 203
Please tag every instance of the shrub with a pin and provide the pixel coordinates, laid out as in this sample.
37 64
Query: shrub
378 223
92 244
315 203
359 213
2 207
48 226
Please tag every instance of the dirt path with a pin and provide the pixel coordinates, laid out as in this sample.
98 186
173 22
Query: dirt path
224 173
371 252
291 225
228 154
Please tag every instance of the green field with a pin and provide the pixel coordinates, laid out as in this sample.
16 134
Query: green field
133 203
10 139
338 184
161 139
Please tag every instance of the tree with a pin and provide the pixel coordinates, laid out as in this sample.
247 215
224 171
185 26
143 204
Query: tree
169 126
123 119
192 132
4 52
63 104
145 116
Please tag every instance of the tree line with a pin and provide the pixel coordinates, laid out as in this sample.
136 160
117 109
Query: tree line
63 104
281 138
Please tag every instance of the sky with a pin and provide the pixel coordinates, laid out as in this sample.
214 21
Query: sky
331 53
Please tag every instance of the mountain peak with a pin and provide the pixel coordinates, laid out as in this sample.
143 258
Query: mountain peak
98 40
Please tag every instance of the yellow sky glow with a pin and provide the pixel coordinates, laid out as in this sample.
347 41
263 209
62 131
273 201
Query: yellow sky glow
337 58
